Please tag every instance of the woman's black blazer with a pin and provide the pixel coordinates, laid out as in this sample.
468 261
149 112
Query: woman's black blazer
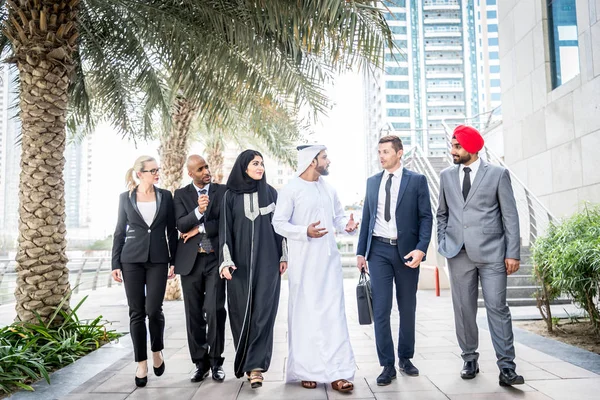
136 242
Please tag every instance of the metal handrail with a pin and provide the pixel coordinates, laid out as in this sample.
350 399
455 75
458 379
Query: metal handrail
416 160
88 273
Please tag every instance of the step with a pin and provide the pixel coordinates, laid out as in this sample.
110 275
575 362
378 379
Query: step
521 280
516 292
527 301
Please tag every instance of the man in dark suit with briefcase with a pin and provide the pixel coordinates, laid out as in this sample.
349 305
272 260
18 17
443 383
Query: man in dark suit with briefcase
394 236
197 208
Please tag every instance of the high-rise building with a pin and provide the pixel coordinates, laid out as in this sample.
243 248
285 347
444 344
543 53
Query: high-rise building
78 176
488 58
444 67
77 172
10 152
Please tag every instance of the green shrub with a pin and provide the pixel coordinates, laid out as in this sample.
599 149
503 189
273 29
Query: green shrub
28 352
542 253
569 255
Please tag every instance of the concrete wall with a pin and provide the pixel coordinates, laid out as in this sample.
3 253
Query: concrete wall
551 137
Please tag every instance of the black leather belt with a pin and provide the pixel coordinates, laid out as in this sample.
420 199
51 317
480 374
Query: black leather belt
391 242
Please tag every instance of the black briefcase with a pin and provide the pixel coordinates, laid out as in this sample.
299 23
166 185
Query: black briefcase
364 299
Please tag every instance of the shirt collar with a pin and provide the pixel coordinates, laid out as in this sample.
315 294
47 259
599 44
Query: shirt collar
198 189
474 166
397 173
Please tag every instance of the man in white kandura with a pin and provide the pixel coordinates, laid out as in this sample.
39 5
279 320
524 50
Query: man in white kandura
307 213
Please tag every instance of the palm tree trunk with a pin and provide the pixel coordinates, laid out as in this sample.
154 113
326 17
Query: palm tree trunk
173 153
44 37
174 146
214 153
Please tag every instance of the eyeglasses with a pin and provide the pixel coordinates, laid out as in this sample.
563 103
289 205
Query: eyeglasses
152 171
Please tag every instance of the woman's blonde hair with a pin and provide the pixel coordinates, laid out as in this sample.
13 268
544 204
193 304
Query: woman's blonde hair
138 166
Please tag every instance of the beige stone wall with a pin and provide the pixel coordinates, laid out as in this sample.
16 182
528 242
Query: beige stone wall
551 137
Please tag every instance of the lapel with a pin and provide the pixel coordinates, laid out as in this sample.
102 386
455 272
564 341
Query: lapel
456 182
192 195
211 192
374 195
478 178
158 195
133 200
403 184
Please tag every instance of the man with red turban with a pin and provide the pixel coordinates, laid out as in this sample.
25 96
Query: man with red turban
478 232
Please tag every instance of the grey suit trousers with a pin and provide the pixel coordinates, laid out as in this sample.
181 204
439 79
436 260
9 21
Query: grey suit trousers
464 276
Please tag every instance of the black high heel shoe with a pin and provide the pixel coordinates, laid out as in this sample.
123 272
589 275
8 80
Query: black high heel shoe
160 370
141 382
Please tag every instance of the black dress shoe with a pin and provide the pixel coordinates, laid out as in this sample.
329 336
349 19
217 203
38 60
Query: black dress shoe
509 377
141 382
387 376
470 370
408 367
160 370
218 374
200 373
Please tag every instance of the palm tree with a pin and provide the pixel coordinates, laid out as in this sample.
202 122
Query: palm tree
80 61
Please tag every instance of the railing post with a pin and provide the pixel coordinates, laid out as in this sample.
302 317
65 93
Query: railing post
95 281
3 269
78 280
437 282
532 225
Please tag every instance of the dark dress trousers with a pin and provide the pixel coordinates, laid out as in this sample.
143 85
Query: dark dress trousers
203 288
386 262
143 254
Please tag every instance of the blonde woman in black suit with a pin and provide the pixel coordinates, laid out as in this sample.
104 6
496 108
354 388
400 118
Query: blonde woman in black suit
144 247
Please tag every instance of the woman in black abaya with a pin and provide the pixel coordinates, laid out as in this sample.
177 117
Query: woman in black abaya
253 257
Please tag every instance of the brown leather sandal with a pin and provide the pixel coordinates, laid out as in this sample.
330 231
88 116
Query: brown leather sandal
309 384
342 385
256 379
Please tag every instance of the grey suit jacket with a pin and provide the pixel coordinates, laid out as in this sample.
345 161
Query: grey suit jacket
487 222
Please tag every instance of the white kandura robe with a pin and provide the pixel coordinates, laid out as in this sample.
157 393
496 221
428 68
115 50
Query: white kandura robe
319 346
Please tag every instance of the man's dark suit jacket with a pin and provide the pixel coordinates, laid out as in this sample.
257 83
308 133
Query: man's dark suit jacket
413 214
186 201
136 242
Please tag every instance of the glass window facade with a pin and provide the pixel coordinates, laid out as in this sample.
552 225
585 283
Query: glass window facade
397 98
398 30
396 70
396 85
398 112
562 40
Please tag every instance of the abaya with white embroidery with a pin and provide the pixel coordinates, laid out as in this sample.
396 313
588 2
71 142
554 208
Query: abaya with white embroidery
249 243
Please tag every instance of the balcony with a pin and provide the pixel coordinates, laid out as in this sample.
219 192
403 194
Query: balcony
445 88
445 103
444 75
441 5
433 47
443 61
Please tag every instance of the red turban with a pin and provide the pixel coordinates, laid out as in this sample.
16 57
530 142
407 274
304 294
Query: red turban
469 138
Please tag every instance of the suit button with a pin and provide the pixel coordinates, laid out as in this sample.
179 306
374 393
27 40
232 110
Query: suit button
150 230
465 227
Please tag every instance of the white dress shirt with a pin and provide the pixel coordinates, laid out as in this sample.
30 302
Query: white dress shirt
148 210
196 210
474 168
383 228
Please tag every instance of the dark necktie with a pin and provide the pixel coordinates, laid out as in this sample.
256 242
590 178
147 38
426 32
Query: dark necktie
388 199
466 182
205 245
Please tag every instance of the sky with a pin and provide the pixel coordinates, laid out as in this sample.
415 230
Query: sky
341 130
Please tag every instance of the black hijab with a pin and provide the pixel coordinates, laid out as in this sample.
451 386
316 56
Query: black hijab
240 182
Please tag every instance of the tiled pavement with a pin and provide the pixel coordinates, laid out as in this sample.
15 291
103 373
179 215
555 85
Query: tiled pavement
108 373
